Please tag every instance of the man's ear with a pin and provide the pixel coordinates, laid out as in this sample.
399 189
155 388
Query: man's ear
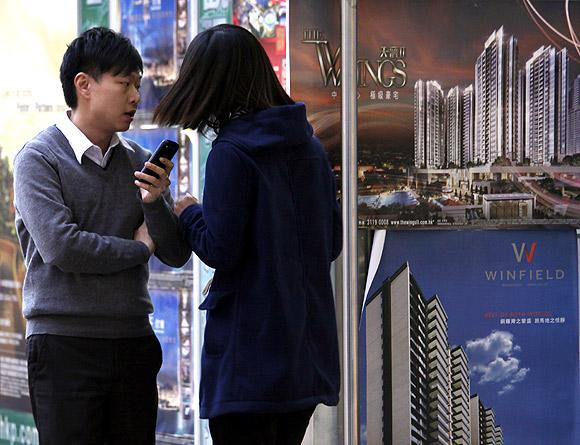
83 84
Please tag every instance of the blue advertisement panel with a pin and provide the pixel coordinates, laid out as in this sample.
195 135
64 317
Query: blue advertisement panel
151 28
473 335
175 414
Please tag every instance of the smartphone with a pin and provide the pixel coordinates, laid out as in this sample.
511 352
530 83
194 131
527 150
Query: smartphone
167 150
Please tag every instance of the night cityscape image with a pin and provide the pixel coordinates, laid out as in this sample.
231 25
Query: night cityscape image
469 119
503 149
506 147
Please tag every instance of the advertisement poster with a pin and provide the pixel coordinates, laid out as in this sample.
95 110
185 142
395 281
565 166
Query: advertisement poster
13 368
175 415
468 110
31 95
151 26
266 19
214 12
30 100
93 13
472 336
182 32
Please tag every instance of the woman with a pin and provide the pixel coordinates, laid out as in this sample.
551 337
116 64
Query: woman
270 226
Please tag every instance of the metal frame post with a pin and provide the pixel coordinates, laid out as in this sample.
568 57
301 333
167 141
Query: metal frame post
350 221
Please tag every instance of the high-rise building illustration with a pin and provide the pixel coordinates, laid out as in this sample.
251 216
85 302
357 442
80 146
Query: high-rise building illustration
401 334
489 427
484 430
429 125
467 126
420 118
521 117
417 386
526 114
574 119
498 435
438 412
510 100
435 129
562 103
449 399
492 111
379 358
477 420
546 105
453 126
461 432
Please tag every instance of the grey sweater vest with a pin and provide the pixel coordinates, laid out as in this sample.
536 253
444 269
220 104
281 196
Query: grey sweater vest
86 276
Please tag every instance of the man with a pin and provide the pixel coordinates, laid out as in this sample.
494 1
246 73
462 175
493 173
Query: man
87 226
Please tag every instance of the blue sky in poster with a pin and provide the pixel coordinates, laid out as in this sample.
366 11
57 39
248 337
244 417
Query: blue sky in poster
528 373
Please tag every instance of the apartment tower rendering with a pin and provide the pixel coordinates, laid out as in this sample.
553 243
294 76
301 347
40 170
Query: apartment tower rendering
453 124
417 384
438 397
484 430
491 112
546 105
524 114
429 125
467 126
461 432
574 118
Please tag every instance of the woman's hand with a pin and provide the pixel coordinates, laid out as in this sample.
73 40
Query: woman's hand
152 191
182 203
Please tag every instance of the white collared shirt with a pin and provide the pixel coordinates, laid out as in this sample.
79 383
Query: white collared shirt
81 145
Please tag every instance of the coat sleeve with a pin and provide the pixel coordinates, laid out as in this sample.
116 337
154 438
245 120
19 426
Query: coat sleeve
163 227
215 230
60 242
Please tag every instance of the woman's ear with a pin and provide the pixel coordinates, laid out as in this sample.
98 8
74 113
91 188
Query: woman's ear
83 83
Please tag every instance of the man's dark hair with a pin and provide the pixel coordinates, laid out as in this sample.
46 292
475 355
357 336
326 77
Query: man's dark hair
225 71
95 52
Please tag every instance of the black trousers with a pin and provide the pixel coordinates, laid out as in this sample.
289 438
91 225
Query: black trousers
260 429
87 391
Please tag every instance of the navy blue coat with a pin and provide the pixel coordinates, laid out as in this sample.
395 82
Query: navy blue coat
270 225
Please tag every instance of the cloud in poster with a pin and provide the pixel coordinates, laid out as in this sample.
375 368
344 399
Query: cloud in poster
492 360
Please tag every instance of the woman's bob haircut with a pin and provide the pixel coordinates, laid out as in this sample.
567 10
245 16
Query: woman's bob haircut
225 72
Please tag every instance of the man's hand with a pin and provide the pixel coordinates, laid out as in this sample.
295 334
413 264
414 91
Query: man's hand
182 203
142 234
152 191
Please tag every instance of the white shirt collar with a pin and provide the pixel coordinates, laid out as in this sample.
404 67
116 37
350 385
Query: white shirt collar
81 145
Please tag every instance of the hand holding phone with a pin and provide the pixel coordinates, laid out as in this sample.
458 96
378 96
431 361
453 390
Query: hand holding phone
167 150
